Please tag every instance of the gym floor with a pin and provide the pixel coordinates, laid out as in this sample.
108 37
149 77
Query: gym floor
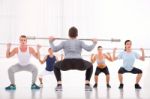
73 84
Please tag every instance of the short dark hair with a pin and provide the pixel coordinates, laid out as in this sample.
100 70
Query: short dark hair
99 47
73 32
23 36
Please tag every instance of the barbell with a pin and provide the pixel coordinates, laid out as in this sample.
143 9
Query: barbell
45 38
16 44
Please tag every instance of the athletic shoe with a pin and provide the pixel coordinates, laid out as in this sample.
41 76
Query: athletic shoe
41 85
58 87
11 87
137 86
108 86
34 86
88 87
121 86
95 85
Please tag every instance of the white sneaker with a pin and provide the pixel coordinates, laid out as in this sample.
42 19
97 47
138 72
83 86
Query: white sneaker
88 88
41 85
58 88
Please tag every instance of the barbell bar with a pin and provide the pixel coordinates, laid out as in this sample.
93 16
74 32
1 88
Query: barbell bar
16 44
45 38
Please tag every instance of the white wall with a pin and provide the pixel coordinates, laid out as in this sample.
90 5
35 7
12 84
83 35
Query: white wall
124 19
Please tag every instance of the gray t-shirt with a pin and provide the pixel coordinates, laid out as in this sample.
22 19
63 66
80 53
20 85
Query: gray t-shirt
72 48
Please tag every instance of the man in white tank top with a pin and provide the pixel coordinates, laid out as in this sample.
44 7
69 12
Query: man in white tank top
24 52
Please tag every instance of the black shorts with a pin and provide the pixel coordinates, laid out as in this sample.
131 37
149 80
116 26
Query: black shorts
104 70
133 71
73 64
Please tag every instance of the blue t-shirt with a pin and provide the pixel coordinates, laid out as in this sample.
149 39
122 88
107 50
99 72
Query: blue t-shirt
128 59
50 61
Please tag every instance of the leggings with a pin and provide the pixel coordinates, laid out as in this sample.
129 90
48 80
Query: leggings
73 64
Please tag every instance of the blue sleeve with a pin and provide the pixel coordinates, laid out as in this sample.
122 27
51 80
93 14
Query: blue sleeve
137 56
120 55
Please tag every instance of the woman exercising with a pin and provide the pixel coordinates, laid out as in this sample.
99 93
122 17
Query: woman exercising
128 56
101 65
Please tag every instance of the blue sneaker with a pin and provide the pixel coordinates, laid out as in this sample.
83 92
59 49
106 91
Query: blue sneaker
11 87
34 86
